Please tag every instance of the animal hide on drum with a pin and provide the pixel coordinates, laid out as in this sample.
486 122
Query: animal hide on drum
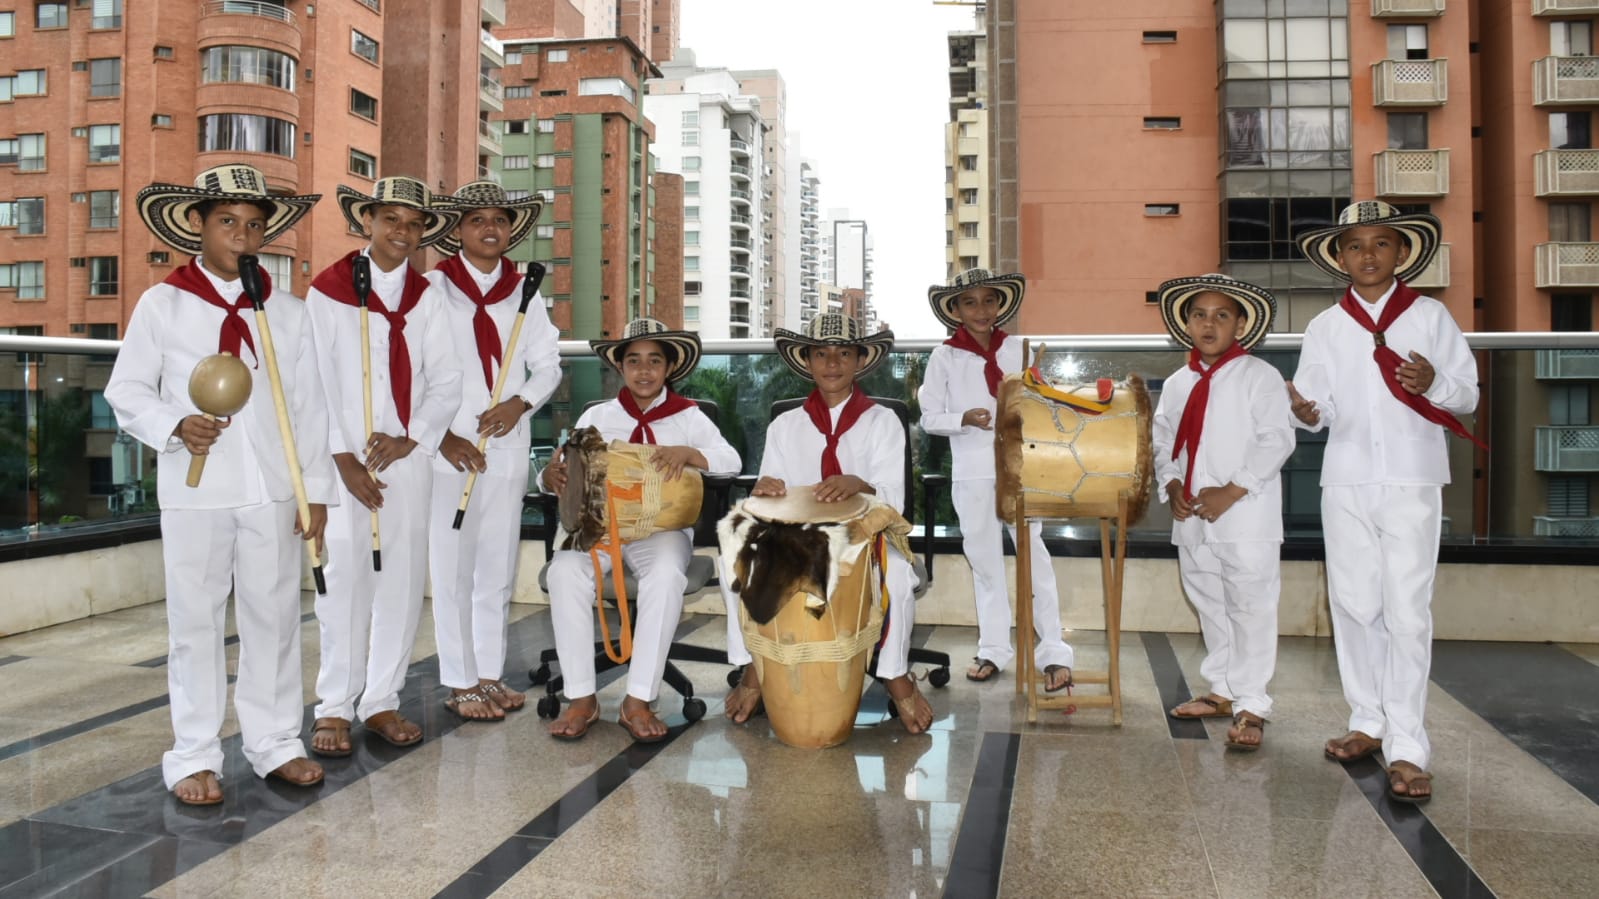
774 561
585 489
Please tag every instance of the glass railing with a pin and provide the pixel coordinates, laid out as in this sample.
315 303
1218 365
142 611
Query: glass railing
65 466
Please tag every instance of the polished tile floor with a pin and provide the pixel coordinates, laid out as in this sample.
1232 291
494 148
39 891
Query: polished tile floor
985 804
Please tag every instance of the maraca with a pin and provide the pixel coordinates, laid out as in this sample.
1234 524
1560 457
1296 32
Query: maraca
219 387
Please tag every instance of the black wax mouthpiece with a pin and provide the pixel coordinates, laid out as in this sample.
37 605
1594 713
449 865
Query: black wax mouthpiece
531 282
361 278
321 582
250 279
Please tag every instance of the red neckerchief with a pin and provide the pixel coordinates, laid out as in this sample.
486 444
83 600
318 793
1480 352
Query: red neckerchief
1388 361
670 406
816 407
962 339
234 330
334 283
1192 424
488 337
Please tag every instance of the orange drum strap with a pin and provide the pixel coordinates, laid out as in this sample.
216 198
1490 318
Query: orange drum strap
613 548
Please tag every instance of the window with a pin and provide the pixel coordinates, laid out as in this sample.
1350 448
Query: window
1570 131
949 238
691 313
968 163
691 238
559 93
247 65
163 52
691 263
107 14
691 118
105 143
26 278
160 120
25 151
555 56
363 46
968 196
1568 404
1407 41
515 163
1567 496
968 263
247 133
363 164
691 288
1571 312
362 105
1407 131
1571 38
28 83
8 24
692 213
516 126
1264 229
105 208
514 195
513 56
691 138
968 230
691 163
25 214
518 91
1162 123
949 204
1161 209
1570 223
102 332
545 161
691 188
49 15
606 87
105 77
543 232
1160 37
546 126
279 267
102 276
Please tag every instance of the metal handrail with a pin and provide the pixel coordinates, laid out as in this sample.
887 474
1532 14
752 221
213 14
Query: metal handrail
250 8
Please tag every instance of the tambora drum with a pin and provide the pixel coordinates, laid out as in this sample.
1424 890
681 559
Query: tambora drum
617 485
809 578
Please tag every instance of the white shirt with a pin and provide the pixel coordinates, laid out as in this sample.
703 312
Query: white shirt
873 449
535 363
954 383
435 375
1248 436
170 331
1373 438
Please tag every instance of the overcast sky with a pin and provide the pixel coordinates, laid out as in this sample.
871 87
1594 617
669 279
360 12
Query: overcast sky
868 92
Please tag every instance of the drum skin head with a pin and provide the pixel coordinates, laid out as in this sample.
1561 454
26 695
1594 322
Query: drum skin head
800 507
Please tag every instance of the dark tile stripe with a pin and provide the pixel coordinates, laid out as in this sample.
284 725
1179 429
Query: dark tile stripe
979 851
161 660
1541 697
1173 686
39 741
1443 867
9 659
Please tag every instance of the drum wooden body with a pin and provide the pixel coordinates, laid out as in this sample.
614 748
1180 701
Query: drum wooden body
619 475
1052 460
810 606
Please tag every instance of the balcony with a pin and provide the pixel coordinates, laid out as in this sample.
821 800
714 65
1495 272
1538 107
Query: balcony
490 94
1436 274
1410 82
739 291
1566 265
740 245
489 138
1412 173
491 48
740 271
276 11
1566 173
1565 7
1567 365
1565 80
740 196
739 220
1406 9
493 11
739 171
268 25
1566 448
1581 528
485 173
739 145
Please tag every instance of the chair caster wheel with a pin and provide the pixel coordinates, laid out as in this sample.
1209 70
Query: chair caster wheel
693 709
539 675
938 677
549 707
735 677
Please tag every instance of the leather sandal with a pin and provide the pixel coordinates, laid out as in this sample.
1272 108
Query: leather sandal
454 702
200 777
1242 722
582 731
981 670
907 707
630 724
1219 708
390 727
285 773
1407 775
1351 747
1049 674
340 729
500 695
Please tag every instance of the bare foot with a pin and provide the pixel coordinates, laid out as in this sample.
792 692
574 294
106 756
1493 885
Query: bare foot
745 699
199 788
914 712
575 721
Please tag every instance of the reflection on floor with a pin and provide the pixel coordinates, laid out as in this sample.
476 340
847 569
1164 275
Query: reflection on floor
984 804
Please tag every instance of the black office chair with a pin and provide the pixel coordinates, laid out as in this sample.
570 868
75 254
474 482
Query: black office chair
701 573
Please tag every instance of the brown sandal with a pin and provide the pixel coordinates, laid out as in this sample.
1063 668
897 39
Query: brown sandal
1407 775
630 723
1351 747
498 693
200 778
1219 708
459 698
907 707
285 773
1049 674
981 670
586 722
340 729
391 727
1242 722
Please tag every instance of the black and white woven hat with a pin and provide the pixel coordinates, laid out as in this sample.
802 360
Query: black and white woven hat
397 190
1010 288
1260 307
165 207
686 344
1421 230
832 329
488 195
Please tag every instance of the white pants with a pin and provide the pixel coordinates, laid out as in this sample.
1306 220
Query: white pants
658 563
474 569
1235 588
893 655
254 551
1382 554
985 552
368 618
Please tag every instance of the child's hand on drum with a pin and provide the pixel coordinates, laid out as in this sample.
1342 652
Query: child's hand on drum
671 460
1180 507
977 418
769 487
460 453
841 487
554 474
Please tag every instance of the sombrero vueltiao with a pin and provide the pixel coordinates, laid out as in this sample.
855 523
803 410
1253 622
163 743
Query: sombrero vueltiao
165 207
488 195
1010 289
398 190
685 343
832 329
1260 307
1420 230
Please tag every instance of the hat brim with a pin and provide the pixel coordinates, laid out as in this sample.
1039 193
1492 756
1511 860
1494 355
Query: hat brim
164 208
791 348
1011 289
1422 231
686 344
1260 307
524 215
438 220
